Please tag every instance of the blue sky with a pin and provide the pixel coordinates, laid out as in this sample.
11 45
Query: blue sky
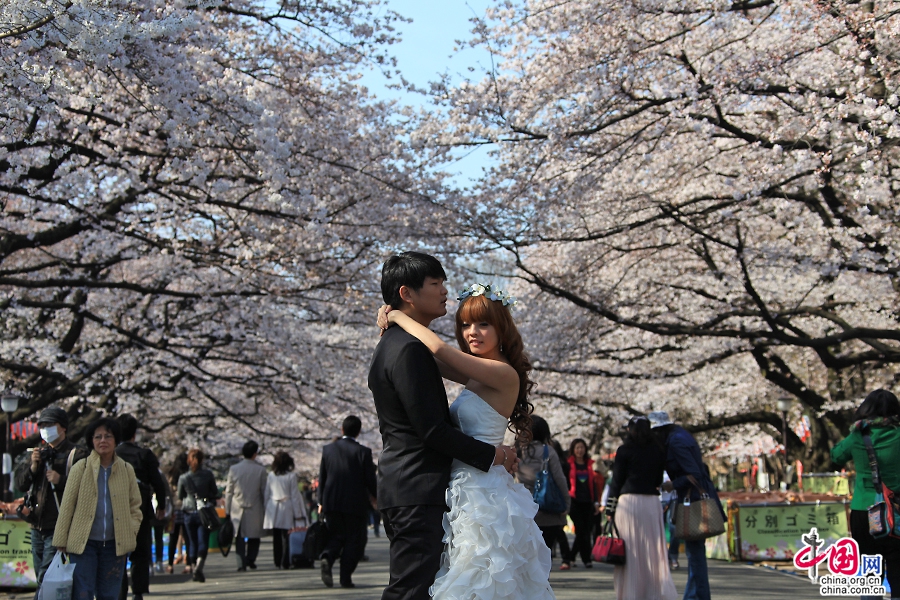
427 51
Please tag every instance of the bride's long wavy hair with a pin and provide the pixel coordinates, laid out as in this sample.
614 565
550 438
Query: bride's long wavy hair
476 309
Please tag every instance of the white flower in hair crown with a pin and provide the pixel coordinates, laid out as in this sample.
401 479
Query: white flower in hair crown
480 289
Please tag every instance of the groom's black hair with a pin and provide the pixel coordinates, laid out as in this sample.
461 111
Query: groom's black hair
409 269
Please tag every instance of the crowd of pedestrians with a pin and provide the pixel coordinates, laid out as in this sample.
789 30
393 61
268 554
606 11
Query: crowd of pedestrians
110 500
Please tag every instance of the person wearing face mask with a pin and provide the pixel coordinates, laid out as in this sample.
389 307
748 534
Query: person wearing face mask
45 477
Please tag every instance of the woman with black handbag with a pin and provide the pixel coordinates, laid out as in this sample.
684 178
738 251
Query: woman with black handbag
197 489
551 524
879 417
634 504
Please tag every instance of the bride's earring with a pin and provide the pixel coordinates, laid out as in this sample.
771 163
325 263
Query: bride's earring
501 348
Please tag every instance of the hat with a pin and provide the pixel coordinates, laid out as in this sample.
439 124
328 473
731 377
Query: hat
54 415
659 418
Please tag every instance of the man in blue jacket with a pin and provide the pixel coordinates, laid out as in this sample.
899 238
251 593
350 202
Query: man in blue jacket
684 464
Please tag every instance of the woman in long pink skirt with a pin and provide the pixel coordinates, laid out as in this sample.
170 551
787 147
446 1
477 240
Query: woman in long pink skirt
635 507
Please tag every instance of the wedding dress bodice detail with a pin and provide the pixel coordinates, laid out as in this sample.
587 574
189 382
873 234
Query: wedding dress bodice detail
495 550
478 419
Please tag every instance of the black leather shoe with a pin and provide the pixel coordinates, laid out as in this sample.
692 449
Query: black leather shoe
348 584
326 574
199 577
252 565
241 569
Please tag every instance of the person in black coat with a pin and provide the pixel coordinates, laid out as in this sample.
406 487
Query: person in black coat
150 482
346 478
419 441
45 476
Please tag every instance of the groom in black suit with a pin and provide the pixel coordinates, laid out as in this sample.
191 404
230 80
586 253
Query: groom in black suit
419 439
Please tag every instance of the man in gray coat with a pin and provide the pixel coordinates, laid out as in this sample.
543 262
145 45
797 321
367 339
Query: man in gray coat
245 505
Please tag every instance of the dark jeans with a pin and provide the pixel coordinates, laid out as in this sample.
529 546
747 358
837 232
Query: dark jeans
697 587
416 536
42 552
98 572
177 529
197 537
140 561
158 532
281 548
556 533
674 542
375 520
582 515
245 551
888 548
347 533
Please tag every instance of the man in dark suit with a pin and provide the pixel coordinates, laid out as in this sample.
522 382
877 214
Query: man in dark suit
419 439
150 482
346 478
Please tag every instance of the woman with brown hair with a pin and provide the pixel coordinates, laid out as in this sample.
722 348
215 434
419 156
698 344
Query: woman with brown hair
197 488
495 549
285 509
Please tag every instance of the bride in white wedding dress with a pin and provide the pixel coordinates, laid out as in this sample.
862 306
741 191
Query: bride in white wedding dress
494 550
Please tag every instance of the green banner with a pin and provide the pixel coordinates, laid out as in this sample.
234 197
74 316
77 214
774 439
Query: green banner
772 532
16 569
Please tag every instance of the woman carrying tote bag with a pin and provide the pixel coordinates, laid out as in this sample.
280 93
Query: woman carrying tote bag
100 515
531 455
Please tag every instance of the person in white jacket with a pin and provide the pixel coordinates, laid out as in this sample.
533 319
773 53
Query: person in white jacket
285 509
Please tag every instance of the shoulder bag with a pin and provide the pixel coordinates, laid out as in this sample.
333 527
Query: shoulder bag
884 515
609 548
698 519
208 515
546 494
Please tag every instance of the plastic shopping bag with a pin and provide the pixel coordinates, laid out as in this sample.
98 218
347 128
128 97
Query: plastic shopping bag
57 584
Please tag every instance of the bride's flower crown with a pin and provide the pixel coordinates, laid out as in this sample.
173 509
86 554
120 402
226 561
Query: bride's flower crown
480 289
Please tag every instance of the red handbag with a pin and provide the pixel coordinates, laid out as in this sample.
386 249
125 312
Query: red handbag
609 548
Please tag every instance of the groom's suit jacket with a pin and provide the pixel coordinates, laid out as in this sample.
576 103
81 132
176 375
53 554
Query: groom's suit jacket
419 439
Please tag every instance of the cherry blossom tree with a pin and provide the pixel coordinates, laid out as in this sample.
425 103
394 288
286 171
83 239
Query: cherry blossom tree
195 196
705 191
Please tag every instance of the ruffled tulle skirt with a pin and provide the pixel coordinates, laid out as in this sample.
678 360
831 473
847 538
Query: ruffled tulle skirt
493 549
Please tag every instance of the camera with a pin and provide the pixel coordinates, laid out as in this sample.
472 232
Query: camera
26 509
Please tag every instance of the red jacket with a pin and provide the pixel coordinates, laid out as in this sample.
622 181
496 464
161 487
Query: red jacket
596 481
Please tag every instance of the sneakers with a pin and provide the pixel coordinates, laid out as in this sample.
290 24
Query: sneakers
565 567
673 565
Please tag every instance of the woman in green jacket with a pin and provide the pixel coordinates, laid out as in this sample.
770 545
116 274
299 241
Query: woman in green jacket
880 415
100 515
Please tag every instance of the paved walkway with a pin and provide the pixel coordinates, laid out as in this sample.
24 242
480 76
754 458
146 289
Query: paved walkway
729 581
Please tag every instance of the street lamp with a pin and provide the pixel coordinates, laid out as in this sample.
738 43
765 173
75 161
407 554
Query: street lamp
9 403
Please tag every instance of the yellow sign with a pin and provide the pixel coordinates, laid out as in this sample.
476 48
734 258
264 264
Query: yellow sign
773 532
16 569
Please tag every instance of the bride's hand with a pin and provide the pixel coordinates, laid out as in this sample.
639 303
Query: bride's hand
382 321
506 456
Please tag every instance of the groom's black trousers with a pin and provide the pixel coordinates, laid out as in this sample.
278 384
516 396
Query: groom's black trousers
416 534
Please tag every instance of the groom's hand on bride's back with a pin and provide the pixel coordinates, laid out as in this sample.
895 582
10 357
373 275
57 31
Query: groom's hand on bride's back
506 456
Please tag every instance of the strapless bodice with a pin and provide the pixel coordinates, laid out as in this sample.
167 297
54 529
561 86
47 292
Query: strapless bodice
476 418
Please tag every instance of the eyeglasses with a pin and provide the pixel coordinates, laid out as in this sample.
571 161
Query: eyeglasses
100 437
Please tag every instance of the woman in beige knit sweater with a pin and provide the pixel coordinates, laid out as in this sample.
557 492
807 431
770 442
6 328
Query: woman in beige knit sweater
100 515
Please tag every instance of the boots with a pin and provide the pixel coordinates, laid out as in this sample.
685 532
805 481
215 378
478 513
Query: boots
198 569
